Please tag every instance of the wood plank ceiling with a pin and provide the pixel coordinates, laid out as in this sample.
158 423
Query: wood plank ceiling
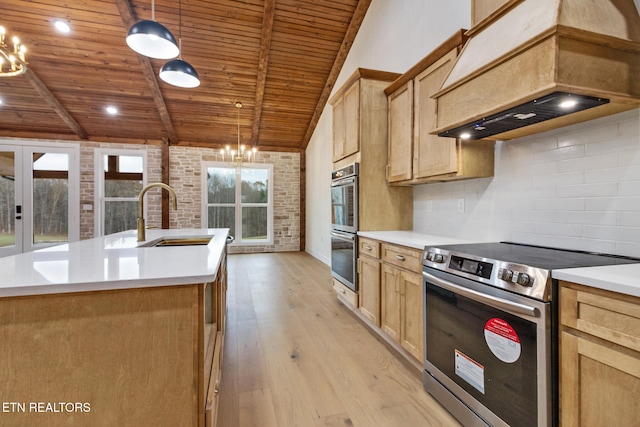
280 58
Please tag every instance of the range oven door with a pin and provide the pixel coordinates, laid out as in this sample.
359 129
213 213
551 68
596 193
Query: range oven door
488 349
344 204
343 258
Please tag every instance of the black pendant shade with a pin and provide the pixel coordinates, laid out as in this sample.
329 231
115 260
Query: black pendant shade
180 73
152 39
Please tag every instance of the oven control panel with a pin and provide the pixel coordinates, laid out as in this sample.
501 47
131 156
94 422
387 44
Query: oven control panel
466 265
518 278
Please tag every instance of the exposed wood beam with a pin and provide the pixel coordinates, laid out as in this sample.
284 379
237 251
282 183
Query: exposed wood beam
265 48
347 42
53 102
128 18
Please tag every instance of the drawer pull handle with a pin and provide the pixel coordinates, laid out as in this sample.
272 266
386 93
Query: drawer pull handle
367 247
343 291
400 257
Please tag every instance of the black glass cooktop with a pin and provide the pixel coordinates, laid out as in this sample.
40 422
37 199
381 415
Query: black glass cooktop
538 256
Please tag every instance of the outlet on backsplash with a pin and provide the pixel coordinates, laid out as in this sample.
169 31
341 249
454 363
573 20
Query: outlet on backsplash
460 205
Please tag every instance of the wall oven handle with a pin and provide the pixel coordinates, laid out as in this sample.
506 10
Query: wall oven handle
343 182
495 302
341 235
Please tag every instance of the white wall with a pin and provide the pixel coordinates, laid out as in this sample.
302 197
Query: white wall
395 35
576 187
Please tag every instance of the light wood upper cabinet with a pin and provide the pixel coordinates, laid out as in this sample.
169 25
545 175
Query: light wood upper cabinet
481 9
416 155
400 153
346 119
599 357
360 135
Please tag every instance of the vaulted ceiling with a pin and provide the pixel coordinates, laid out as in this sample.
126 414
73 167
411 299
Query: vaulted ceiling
280 58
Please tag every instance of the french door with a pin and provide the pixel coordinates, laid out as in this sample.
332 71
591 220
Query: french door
39 196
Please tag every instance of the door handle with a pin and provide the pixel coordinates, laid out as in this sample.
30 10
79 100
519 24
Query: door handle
480 297
18 212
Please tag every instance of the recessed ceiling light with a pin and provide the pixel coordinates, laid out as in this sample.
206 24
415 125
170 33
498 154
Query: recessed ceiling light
112 110
62 26
0 101
465 136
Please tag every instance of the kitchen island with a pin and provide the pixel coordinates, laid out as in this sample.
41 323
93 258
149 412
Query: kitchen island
104 332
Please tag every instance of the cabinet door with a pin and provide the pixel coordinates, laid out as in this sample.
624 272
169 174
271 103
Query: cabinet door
599 384
400 142
433 155
390 307
352 119
369 282
339 135
411 314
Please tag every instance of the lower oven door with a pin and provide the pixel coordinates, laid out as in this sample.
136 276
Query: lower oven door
343 258
488 349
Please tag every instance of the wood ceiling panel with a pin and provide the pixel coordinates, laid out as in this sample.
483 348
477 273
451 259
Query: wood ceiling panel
281 73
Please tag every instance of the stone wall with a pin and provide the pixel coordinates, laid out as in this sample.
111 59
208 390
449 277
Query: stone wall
185 179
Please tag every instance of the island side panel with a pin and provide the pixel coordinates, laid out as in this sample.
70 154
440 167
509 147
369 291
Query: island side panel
122 358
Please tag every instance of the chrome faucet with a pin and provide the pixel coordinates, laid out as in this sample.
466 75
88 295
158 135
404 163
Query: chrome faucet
141 234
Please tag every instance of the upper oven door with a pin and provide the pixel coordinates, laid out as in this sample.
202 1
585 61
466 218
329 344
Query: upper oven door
344 205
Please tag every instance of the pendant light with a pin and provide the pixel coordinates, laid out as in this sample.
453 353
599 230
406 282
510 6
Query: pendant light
179 72
152 39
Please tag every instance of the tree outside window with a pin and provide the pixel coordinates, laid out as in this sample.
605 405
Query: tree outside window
245 209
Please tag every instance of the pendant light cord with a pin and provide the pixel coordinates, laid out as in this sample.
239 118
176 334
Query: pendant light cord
153 10
180 29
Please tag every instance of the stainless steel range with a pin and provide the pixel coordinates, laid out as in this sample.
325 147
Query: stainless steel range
490 322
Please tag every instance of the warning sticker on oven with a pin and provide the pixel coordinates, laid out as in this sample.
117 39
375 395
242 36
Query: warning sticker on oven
502 340
470 371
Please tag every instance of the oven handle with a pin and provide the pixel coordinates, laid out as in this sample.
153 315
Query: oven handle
343 182
494 302
344 236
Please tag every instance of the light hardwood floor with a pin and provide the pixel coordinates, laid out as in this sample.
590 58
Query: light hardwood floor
295 357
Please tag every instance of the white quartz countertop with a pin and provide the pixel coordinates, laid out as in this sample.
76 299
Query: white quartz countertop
112 262
623 278
411 239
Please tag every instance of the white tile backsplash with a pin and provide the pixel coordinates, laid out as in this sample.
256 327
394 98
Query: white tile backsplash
577 187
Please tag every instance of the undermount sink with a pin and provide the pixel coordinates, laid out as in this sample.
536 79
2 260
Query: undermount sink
178 241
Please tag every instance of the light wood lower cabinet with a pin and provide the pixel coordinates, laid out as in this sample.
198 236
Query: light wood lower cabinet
369 279
402 306
599 358
147 356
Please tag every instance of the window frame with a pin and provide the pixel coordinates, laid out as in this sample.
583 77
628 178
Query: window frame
99 183
238 205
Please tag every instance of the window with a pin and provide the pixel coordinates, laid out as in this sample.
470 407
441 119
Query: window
241 199
119 179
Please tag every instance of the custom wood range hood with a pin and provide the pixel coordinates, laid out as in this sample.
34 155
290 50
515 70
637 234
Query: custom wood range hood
529 56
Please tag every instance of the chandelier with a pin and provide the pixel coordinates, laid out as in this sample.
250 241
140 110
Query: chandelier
12 60
237 156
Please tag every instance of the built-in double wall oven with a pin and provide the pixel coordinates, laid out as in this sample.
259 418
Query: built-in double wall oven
344 225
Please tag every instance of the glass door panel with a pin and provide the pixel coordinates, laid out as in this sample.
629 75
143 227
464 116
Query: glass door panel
10 192
39 197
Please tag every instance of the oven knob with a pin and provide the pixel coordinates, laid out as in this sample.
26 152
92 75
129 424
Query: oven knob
524 279
505 274
429 256
438 258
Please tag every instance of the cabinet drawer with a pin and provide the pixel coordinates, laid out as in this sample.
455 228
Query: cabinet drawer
345 293
369 247
607 315
403 257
